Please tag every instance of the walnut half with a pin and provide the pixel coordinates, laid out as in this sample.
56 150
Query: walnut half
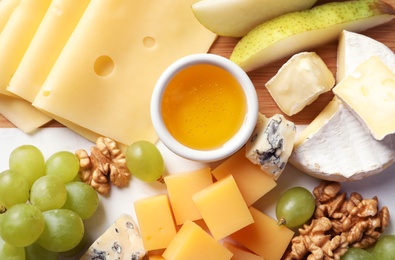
105 165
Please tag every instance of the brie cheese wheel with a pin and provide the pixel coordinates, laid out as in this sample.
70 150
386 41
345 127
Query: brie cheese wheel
271 144
299 82
120 241
369 93
337 147
355 48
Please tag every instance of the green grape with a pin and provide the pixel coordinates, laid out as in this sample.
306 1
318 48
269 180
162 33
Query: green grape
10 252
29 161
385 248
35 251
14 188
295 207
63 164
78 249
81 198
357 254
63 230
145 161
48 192
21 225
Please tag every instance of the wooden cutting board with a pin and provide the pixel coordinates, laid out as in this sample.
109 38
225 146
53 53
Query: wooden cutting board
224 45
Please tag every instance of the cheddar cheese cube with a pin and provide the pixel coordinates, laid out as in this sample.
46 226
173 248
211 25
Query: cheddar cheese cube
192 242
240 253
264 237
155 220
181 188
223 208
250 179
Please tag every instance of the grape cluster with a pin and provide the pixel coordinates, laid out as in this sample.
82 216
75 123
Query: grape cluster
45 205
384 249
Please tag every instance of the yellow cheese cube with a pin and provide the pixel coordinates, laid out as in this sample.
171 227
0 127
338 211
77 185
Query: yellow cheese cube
181 187
17 35
156 221
250 179
192 242
223 208
240 253
51 36
265 237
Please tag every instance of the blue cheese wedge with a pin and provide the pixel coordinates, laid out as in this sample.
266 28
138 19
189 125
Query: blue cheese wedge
271 144
120 241
337 147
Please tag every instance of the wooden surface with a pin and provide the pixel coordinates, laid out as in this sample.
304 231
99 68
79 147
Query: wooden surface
224 46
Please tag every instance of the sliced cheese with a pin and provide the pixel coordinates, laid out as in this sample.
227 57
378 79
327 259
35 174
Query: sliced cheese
51 36
120 241
6 9
22 114
241 253
181 187
271 144
252 182
336 147
223 208
104 77
299 82
369 92
192 242
16 37
354 48
264 237
155 220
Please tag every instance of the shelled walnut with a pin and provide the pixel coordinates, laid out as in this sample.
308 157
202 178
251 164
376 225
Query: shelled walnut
105 165
338 224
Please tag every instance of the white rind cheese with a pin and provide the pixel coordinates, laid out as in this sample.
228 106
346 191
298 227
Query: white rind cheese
271 144
339 148
120 241
355 48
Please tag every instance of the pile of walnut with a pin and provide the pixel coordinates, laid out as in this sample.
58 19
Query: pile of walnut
105 165
338 224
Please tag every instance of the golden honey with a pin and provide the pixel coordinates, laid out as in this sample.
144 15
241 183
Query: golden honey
203 106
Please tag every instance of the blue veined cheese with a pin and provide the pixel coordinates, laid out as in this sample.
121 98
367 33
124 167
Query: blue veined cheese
337 147
120 241
271 144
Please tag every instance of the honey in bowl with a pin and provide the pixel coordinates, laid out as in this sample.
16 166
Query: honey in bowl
203 106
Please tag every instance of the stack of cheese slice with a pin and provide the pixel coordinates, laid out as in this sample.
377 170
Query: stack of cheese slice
92 65
340 144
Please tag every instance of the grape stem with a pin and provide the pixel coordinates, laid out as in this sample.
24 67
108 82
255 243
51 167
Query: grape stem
281 221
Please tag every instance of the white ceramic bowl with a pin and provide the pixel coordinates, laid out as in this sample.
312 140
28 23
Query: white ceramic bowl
242 135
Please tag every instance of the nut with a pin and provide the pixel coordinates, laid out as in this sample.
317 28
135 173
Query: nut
338 224
105 165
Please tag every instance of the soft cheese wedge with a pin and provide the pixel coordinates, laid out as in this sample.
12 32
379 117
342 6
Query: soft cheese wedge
337 147
105 74
369 93
271 144
299 82
120 241
355 48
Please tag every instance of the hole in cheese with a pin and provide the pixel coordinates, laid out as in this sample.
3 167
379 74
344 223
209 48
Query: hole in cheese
103 66
149 41
46 93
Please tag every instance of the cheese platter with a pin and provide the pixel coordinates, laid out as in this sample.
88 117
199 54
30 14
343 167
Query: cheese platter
55 136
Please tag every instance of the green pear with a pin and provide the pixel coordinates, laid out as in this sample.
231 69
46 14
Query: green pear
237 17
304 30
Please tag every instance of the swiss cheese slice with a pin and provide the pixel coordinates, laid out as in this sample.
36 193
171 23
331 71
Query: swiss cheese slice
6 9
16 37
104 77
54 31
337 147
